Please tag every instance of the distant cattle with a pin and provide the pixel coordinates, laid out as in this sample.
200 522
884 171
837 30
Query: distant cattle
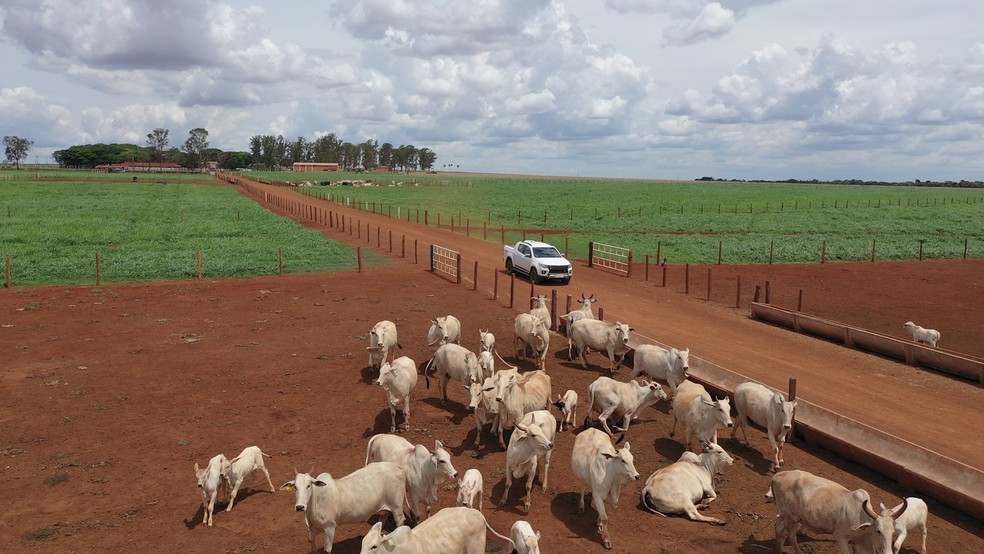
919 334
529 450
768 409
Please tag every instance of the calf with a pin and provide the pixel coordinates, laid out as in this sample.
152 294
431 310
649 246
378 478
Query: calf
670 366
470 486
676 488
701 415
567 405
327 502
444 330
827 507
919 334
458 530
453 361
768 409
518 395
398 379
484 405
211 483
425 469
243 465
382 343
604 470
486 361
913 516
603 337
487 341
531 331
529 448
526 541
610 397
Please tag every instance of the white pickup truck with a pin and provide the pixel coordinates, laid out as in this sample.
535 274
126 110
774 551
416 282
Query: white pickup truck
539 260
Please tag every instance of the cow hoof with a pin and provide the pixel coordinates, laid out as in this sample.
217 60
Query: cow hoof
607 545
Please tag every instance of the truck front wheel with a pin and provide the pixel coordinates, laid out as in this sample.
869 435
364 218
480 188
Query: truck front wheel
509 265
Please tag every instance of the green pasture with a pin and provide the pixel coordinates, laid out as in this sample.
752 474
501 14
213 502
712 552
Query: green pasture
52 232
687 222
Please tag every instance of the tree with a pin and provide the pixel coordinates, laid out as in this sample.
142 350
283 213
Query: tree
157 142
427 158
195 146
16 148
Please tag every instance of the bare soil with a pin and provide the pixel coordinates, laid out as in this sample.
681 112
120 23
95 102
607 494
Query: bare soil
110 394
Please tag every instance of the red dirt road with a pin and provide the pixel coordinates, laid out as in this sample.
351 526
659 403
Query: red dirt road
109 395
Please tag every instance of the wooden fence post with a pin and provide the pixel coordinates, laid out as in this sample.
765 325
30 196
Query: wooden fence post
553 309
503 232
664 276
823 254
738 294
720 251
415 251
98 270
921 241
475 277
799 303
403 246
391 240
790 398
659 246
7 272
628 269
647 268
457 269
591 254
512 289
872 250
199 265
772 246
966 243
358 257
708 283
280 261
686 280
495 285
601 314
768 292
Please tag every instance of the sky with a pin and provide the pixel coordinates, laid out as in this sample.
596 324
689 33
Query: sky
888 90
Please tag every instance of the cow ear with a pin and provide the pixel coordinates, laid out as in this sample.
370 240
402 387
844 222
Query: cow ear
196 467
320 483
378 527
288 486
438 445
607 455
627 447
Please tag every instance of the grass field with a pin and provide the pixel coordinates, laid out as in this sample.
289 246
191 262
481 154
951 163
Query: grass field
688 222
52 232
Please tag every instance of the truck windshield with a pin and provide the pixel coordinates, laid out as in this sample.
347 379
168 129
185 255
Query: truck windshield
546 252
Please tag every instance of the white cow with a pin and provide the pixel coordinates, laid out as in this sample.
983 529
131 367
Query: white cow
453 361
484 405
486 361
670 366
687 485
487 341
328 502
212 483
398 380
701 416
382 343
529 450
603 337
768 409
828 507
914 516
567 405
583 313
919 334
604 470
444 330
609 397
457 529
526 540
519 395
533 332
541 310
470 486
425 469
242 466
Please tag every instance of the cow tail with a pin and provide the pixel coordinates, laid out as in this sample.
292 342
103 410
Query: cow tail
426 369
648 503
587 415
369 448
512 545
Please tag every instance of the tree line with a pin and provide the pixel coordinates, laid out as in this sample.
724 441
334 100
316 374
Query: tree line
275 152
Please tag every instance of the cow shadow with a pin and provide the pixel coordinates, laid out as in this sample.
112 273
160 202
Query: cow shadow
564 509
511 501
484 448
368 375
383 422
669 448
751 545
752 457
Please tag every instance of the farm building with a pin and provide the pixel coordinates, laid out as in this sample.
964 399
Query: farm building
315 166
143 167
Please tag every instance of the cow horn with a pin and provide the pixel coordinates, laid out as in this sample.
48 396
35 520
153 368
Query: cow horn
867 509
582 296
901 510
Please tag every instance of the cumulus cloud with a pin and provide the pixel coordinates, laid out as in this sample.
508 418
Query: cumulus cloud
691 21
28 114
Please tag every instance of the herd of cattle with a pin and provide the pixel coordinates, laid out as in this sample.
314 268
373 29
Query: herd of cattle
399 476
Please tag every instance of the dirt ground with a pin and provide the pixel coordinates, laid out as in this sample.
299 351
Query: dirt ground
109 395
